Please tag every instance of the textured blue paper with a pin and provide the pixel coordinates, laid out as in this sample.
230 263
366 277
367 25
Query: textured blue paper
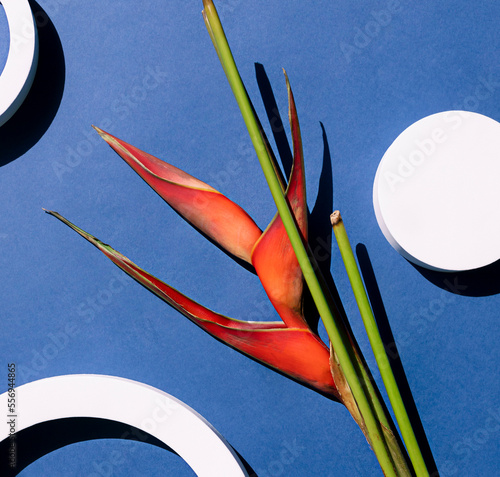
149 75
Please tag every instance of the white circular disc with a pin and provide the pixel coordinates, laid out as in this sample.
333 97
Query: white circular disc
20 68
437 192
129 402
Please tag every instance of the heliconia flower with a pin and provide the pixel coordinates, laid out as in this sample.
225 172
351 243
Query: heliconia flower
288 346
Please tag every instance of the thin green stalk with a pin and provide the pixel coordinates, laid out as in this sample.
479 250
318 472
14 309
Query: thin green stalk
378 346
334 328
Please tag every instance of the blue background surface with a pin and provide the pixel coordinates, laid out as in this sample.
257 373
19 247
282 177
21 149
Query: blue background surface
366 76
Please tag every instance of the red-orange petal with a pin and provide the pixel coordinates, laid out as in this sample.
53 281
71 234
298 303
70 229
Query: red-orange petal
297 353
200 204
273 256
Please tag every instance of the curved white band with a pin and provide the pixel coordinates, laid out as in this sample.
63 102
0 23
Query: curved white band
17 76
132 403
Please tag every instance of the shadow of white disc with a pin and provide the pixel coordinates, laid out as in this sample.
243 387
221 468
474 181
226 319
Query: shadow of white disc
20 68
437 192
134 404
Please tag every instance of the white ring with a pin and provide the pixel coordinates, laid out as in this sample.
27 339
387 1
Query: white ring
19 71
132 403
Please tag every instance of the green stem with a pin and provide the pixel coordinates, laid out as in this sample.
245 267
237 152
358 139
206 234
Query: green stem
334 328
378 346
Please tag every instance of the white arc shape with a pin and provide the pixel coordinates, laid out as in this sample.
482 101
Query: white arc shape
132 403
19 71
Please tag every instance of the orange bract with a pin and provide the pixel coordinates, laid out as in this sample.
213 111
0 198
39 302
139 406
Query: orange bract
288 346
201 205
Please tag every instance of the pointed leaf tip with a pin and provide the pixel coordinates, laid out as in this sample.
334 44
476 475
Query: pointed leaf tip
200 204
297 353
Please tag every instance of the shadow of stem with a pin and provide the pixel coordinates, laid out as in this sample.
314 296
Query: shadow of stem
382 320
